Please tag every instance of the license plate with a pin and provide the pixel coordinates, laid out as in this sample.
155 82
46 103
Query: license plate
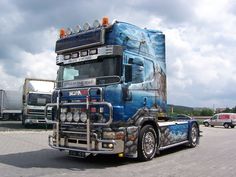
77 154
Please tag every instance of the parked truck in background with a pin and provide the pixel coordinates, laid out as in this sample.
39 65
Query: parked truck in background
110 96
10 104
36 94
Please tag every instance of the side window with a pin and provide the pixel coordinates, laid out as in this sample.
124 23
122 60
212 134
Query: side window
137 70
214 117
149 70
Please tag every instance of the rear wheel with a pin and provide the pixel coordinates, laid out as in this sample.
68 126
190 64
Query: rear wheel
226 125
232 126
194 135
25 125
212 125
206 124
23 121
147 143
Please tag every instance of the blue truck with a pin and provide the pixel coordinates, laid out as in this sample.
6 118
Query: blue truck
110 96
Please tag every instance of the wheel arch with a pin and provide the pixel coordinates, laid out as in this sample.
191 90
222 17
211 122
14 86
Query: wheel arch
191 123
149 121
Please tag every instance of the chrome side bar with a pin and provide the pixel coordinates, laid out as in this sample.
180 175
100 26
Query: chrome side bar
173 145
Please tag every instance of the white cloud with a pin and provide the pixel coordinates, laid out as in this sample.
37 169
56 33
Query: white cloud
24 63
200 42
41 65
9 21
9 82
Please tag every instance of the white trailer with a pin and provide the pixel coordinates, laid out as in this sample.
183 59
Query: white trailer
10 104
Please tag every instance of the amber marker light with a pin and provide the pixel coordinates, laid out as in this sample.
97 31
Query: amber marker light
105 21
62 33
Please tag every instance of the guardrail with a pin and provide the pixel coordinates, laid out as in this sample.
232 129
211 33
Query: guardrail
201 117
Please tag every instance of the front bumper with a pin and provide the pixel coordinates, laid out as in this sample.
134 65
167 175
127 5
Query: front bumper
96 146
35 120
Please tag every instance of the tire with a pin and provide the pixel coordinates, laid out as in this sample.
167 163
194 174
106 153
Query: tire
232 126
194 135
226 125
206 124
212 125
147 143
23 121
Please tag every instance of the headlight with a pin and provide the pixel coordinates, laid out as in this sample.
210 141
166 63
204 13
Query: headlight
76 117
63 117
69 116
83 117
109 135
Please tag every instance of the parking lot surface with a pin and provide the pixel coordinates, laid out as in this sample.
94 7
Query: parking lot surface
26 153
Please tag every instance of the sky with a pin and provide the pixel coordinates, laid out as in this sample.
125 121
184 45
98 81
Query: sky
200 41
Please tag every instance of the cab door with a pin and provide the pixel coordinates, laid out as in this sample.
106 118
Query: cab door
214 121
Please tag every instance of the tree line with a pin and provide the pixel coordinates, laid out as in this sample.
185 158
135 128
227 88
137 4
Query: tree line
197 112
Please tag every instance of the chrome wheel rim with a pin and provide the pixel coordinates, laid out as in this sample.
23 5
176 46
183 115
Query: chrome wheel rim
149 143
194 134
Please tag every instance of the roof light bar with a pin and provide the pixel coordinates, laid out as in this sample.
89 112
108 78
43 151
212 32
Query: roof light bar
96 24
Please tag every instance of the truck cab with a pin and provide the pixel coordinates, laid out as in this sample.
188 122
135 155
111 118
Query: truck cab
34 107
110 96
36 94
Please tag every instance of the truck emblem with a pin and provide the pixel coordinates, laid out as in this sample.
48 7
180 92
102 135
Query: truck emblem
75 93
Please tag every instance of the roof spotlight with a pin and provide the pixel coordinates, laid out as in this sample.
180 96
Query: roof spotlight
69 31
96 24
86 27
77 28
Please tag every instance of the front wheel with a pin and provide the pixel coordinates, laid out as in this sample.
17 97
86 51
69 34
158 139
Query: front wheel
206 124
147 143
226 125
232 126
194 135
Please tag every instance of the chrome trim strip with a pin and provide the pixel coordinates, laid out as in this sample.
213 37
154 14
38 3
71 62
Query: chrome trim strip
173 145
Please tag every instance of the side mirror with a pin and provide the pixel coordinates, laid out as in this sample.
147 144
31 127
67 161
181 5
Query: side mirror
128 73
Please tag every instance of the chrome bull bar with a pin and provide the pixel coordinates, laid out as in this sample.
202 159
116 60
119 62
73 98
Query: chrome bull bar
87 104
88 123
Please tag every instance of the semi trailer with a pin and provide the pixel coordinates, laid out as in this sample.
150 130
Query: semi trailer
10 105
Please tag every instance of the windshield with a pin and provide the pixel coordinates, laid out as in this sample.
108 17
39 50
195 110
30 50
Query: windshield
35 99
94 69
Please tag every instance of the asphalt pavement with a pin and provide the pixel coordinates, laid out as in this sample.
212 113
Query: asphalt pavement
26 153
